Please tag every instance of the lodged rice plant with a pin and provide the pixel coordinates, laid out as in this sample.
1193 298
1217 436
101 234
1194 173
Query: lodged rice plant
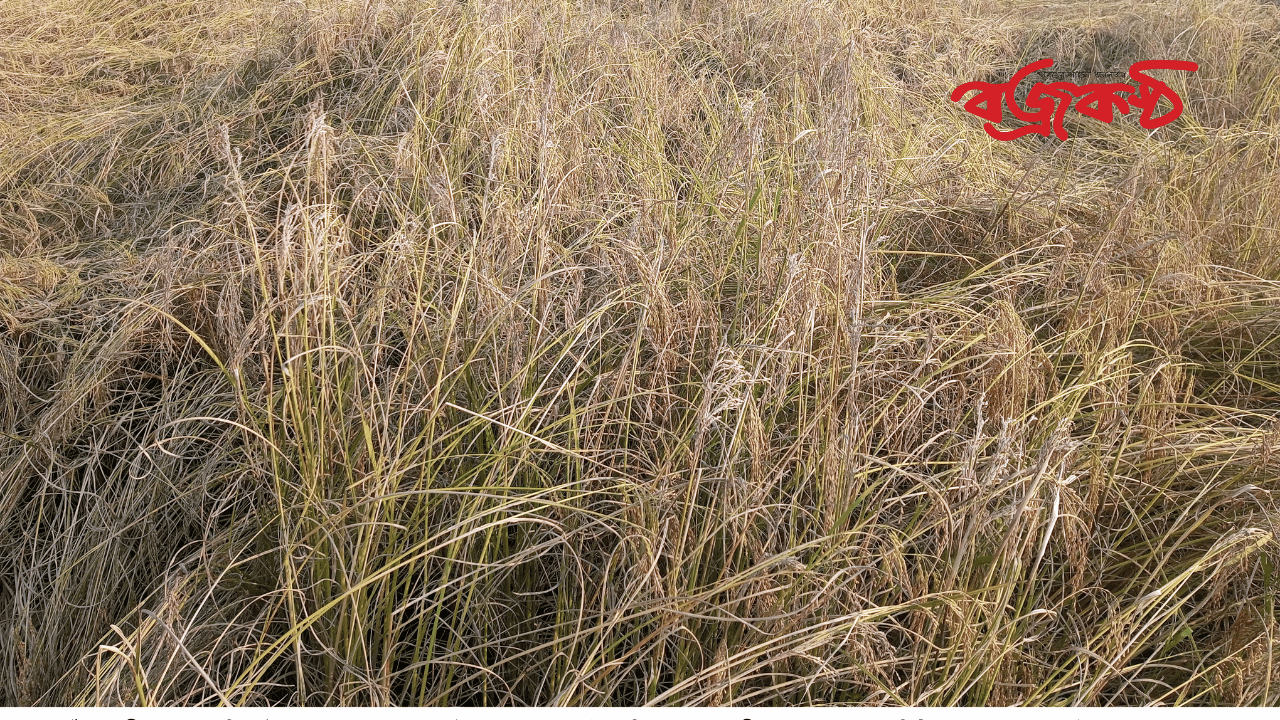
632 353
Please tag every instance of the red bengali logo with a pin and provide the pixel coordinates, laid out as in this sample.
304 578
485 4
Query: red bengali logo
1047 103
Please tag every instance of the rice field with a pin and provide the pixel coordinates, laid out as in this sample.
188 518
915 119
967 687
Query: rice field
633 352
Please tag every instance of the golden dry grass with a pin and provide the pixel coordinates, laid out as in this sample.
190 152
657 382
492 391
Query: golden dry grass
650 352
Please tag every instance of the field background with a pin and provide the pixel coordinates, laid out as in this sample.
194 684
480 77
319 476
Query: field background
590 353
